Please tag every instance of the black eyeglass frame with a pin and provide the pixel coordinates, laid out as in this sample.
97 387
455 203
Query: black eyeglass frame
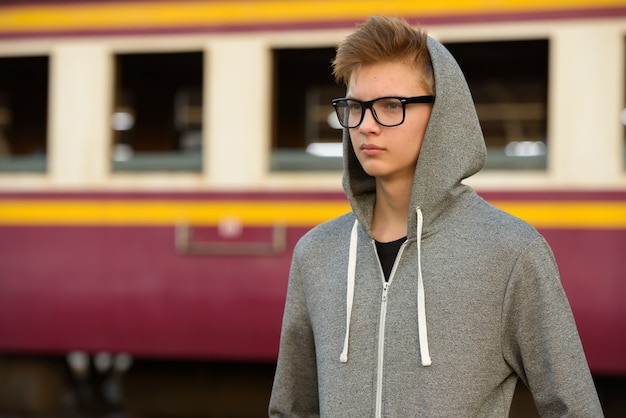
370 103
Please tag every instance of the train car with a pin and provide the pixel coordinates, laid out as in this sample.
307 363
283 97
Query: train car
159 160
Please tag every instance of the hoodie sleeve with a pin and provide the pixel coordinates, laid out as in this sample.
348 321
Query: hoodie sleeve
294 393
541 341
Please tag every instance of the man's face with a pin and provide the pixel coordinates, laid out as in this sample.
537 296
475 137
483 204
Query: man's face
389 153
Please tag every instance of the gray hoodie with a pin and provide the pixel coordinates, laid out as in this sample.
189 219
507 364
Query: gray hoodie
473 303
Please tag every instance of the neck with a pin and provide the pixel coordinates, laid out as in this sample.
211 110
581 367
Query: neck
391 210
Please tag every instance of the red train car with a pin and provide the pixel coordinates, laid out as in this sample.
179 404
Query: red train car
203 275
192 275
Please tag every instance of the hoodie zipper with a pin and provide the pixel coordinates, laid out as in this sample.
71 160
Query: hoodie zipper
381 328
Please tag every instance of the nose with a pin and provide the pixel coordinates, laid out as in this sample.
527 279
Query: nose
368 124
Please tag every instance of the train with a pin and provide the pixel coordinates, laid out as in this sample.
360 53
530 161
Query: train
159 160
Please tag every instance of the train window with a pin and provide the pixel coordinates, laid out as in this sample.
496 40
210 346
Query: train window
306 134
509 83
23 113
157 115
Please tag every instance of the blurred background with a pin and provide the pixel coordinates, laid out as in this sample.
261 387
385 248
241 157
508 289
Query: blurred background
160 159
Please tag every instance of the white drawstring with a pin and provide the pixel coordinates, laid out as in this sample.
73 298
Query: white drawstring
421 302
350 291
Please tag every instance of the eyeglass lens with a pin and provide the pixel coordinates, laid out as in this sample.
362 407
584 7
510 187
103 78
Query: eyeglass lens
386 111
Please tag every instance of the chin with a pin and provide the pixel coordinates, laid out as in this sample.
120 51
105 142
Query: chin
375 171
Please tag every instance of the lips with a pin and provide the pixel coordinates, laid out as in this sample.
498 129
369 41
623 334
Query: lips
371 149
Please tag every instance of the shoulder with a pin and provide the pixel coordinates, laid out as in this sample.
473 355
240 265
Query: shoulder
322 252
328 234
502 231
504 223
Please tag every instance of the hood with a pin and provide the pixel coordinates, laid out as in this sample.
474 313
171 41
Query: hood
453 149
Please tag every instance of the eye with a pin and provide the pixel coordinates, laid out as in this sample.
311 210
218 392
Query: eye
390 105
354 106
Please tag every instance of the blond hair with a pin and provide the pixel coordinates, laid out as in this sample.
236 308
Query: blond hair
384 39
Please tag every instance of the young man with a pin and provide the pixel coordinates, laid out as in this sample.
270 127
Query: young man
425 300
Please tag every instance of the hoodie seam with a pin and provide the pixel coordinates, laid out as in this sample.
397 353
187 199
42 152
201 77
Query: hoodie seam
505 297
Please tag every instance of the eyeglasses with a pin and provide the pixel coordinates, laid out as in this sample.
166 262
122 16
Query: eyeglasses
387 111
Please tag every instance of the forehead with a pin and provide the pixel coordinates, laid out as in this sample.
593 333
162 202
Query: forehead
385 79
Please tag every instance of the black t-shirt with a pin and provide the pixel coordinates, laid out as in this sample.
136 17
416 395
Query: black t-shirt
387 252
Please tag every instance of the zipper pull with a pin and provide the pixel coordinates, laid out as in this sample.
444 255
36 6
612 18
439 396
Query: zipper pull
385 289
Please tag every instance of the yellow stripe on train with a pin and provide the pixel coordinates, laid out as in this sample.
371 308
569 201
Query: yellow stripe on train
136 15
253 213
296 213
